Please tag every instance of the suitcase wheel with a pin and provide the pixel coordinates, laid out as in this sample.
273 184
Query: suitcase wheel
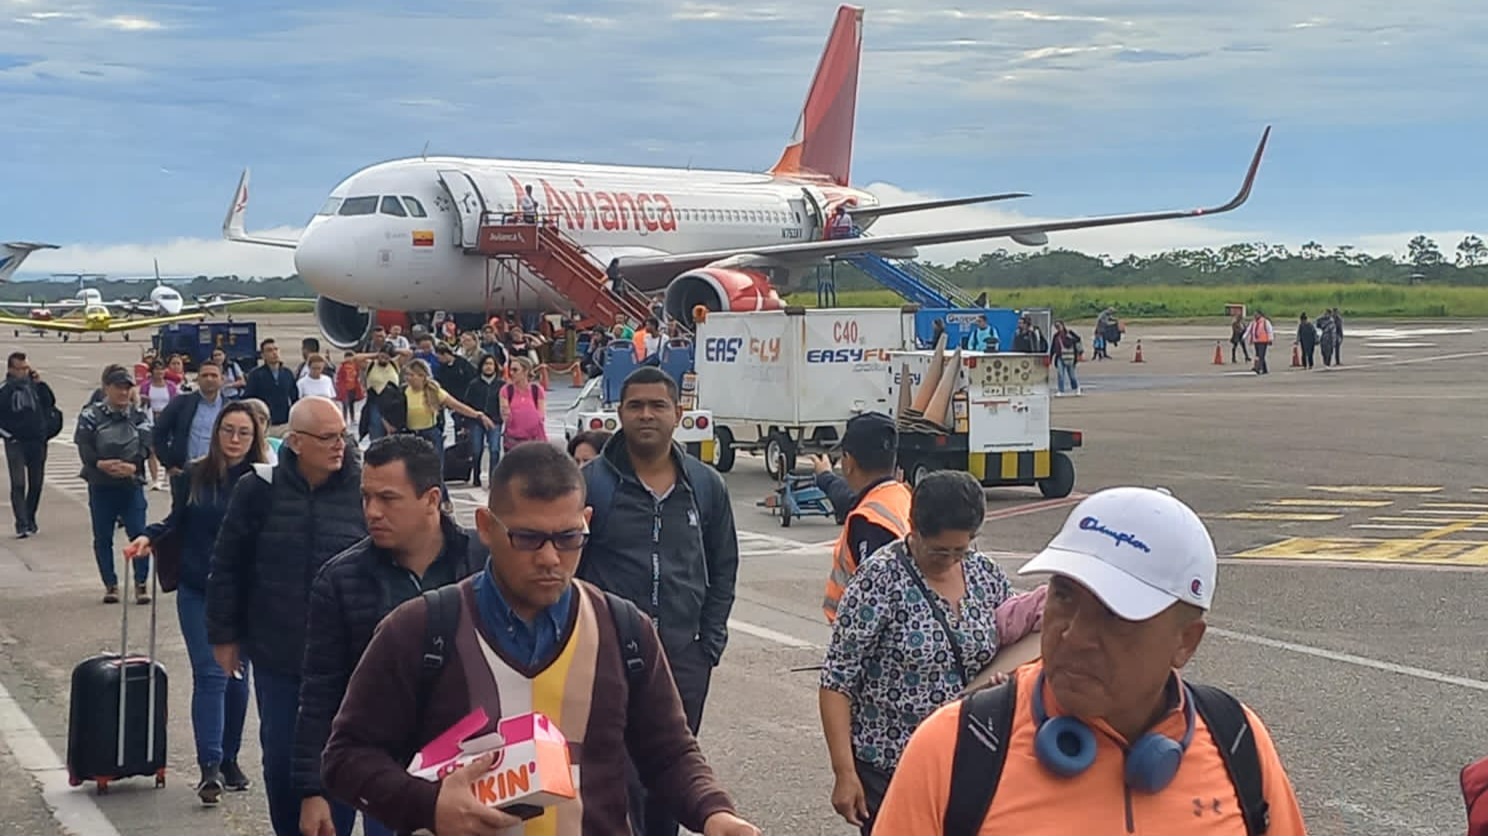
160 778
73 780
103 786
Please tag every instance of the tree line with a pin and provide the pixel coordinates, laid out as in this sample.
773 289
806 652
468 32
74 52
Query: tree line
1257 263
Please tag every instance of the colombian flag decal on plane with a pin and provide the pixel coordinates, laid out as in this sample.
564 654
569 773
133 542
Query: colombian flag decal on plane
423 237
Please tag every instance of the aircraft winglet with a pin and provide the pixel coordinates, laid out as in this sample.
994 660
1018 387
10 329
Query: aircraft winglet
15 252
232 225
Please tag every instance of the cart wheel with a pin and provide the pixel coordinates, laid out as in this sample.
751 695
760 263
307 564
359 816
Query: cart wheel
160 778
1061 477
780 456
919 474
723 449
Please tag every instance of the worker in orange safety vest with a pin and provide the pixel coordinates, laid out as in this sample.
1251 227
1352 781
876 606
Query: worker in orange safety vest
871 503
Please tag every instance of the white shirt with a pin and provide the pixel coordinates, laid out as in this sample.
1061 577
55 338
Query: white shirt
323 386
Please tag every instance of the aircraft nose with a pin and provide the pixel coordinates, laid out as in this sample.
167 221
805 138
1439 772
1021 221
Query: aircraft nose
315 259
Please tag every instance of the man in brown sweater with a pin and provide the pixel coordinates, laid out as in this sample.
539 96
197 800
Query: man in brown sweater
528 637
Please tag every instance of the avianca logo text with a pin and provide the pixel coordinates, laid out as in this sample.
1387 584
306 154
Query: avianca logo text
610 211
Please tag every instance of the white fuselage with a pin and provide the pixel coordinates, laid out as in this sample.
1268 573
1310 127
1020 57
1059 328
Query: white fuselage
393 235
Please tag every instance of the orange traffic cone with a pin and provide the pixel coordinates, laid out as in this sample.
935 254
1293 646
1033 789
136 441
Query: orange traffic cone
1218 354
1296 356
1137 357
578 374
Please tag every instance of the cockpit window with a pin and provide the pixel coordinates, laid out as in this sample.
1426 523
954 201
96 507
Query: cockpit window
359 206
415 208
330 207
393 206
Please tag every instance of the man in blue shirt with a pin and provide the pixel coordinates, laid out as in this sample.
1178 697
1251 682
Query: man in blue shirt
183 432
273 384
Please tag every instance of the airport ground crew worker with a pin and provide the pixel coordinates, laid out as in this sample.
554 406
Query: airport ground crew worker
1103 719
871 504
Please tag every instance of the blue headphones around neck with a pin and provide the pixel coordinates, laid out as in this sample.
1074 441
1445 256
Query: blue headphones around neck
1066 746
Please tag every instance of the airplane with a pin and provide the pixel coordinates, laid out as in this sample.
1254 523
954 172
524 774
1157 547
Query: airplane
96 319
395 239
15 252
163 300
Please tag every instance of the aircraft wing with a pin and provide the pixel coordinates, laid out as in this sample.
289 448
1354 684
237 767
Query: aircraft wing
64 305
868 212
74 326
1033 231
232 225
149 322
213 304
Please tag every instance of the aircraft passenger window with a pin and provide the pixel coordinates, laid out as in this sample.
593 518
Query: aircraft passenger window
393 206
359 206
330 207
415 208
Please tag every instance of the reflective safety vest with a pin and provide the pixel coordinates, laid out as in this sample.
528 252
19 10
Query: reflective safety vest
886 506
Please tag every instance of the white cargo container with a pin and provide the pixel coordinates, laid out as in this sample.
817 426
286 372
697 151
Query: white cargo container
786 382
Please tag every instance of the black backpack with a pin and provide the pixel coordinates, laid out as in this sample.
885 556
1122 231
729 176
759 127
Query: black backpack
444 619
986 725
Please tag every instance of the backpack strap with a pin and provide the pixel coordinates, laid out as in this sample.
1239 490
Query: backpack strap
981 750
439 637
1230 728
628 627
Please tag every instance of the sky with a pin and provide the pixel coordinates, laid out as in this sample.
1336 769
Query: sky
124 125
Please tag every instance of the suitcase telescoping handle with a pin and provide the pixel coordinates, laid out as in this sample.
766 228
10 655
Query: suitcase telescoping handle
124 661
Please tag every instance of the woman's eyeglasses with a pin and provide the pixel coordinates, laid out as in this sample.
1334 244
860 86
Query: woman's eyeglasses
236 432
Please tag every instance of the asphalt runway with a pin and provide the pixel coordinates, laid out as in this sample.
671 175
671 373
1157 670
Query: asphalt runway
1349 505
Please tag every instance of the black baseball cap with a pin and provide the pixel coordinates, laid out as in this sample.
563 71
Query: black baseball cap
118 377
869 432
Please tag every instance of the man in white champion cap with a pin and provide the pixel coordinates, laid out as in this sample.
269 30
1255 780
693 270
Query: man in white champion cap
1103 716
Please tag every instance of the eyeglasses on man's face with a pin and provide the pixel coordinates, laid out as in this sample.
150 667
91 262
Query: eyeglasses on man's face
526 540
328 439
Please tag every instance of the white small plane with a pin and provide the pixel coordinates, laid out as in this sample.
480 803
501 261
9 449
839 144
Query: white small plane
402 236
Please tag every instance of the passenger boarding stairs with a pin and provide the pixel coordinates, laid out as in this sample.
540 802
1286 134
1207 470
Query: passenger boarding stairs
912 280
564 266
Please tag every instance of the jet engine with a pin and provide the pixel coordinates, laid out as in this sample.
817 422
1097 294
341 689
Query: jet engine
720 289
347 326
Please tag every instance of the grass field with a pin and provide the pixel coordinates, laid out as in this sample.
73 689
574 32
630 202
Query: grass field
1165 302
1181 302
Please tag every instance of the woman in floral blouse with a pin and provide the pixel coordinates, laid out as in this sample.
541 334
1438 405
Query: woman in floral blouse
891 661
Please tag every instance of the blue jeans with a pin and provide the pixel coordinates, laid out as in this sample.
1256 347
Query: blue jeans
108 504
482 439
1066 370
278 709
375 429
219 703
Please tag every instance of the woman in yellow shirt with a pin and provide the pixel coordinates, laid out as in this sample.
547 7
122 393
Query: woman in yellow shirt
426 400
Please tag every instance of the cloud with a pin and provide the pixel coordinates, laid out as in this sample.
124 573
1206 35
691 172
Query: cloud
177 256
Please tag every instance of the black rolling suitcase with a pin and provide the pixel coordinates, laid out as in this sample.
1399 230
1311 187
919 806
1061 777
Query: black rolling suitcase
459 461
116 720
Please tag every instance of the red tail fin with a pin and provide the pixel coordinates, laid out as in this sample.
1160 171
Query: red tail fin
822 143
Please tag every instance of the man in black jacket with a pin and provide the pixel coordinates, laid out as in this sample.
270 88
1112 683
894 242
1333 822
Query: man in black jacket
183 432
663 536
282 525
27 408
413 547
273 384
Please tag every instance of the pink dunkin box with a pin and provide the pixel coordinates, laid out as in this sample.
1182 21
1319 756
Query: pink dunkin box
531 772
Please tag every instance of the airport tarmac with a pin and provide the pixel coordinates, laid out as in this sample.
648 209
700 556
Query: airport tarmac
1349 505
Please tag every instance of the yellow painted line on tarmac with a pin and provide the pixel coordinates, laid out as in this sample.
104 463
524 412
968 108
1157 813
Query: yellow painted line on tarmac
1376 488
1431 522
1334 503
1453 527
1351 549
1275 516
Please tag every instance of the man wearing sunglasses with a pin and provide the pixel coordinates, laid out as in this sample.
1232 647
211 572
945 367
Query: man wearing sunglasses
529 637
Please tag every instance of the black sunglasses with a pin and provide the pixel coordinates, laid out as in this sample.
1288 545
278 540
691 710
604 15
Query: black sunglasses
531 541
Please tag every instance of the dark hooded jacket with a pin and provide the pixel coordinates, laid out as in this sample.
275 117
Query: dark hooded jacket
275 537
684 577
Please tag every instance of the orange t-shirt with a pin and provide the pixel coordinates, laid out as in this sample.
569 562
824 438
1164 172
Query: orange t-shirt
1031 800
